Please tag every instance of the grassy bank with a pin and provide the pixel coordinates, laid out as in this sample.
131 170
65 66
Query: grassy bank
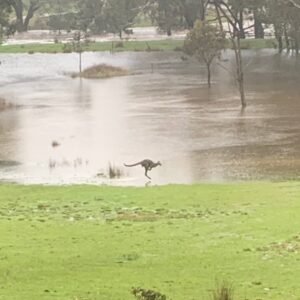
98 242
164 45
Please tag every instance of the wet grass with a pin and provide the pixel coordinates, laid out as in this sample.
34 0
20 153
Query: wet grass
98 46
163 45
88 242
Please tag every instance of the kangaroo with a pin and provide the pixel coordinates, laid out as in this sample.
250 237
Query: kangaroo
147 164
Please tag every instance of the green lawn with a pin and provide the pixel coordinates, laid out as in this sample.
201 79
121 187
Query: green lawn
90 243
164 45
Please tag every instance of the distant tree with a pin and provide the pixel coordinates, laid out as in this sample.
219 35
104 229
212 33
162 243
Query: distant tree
90 15
120 15
24 13
62 14
165 13
4 16
205 42
284 15
193 10
171 14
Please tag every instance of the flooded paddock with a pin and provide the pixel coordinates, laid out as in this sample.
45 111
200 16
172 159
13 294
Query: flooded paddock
60 130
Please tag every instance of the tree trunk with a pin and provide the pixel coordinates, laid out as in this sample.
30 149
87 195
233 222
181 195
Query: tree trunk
287 40
208 74
30 13
297 45
219 18
236 35
241 32
22 25
80 63
280 43
169 31
239 70
258 27
18 8
202 10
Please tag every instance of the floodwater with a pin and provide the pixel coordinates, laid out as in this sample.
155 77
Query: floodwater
61 130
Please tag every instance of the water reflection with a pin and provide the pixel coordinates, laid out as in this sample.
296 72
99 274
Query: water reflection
164 111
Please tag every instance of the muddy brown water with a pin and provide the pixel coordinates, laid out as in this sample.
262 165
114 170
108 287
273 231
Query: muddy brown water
61 130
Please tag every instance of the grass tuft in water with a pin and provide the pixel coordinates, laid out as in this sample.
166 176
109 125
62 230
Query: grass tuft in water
114 171
4 105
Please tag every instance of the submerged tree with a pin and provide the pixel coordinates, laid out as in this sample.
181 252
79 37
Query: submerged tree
79 42
235 33
205 42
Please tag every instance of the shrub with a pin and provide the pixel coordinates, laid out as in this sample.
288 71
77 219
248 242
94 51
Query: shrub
143 294
101 71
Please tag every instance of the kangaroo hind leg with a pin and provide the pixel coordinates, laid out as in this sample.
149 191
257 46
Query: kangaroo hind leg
146 171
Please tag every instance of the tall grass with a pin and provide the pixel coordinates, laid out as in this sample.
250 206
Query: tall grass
4 105
223 291
114 171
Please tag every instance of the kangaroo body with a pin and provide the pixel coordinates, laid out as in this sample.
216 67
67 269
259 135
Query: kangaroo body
147 164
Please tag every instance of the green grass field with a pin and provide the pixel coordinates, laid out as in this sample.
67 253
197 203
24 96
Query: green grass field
164 45
90 243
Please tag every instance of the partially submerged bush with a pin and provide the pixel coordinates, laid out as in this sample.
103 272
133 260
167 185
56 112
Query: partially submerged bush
143 294
101 71
5 105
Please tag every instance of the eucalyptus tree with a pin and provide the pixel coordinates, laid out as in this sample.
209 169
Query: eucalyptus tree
284 15
62 14
4 18
24 12
112 16
90 15
193 10
120 15
171 14
165 13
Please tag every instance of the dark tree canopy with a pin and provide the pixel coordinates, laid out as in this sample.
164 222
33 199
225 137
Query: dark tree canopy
23 12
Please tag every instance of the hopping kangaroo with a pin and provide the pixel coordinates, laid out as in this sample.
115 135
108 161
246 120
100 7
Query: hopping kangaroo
147 164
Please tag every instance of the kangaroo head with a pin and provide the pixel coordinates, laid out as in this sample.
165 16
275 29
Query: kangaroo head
159 163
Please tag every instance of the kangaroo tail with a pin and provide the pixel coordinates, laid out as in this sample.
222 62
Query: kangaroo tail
132 165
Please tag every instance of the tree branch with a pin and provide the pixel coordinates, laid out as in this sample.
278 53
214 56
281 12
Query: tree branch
292 2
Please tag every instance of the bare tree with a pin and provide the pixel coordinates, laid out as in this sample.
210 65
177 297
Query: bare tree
235 33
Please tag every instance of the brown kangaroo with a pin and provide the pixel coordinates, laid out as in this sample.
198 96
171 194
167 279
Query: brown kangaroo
147 164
